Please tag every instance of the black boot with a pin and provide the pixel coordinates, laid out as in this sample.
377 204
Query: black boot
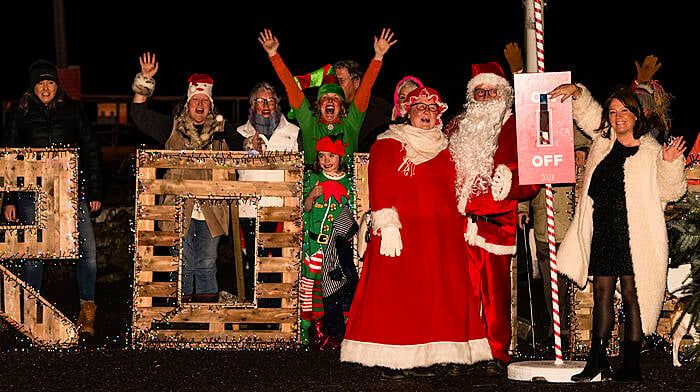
596 363
630 370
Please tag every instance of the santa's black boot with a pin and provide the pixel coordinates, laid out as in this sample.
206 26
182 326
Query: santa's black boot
596 363
630 370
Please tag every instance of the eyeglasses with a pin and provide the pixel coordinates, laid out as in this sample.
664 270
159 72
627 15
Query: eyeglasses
480 92
423 106
265 101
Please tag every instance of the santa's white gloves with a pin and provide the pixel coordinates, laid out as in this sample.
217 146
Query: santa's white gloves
501 182
391 242
385 222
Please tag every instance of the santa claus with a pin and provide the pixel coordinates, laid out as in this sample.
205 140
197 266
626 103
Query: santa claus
483 146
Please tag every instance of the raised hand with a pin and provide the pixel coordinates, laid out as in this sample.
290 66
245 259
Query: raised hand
647 70
673 150
149 65
383 43
565 91
514 57
269 42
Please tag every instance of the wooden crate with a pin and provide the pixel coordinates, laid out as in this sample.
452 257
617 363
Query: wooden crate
215 325
32 315
52 175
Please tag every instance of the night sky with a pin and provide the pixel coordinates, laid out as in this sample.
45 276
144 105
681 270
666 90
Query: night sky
597 41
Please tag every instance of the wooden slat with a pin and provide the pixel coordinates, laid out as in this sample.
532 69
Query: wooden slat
277 264
232 336
278 214
161 213
158 238
274 290
203 314
11 293
152 313
278 240
215 160
217 188
585 299
157 289
159 263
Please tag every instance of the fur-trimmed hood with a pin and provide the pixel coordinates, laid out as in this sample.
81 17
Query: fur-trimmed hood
193 138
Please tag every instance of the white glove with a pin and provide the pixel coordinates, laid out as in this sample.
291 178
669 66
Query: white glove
500 183
391 242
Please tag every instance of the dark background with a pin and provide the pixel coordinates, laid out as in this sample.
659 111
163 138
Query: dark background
438 42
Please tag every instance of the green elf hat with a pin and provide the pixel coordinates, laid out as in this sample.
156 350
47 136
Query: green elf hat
324 78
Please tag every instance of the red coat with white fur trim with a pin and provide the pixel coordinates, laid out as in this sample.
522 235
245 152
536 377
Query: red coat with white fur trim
492 237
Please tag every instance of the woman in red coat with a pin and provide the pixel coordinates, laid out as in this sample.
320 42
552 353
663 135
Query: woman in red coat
414 306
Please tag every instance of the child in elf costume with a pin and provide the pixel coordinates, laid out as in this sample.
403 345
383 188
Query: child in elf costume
327 190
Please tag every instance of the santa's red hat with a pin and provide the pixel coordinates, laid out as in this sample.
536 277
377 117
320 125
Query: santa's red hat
327 145
427 92
200 84
488 73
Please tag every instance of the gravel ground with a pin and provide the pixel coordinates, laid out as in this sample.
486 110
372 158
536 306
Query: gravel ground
111 365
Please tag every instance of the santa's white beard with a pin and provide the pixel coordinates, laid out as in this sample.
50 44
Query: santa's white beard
473 146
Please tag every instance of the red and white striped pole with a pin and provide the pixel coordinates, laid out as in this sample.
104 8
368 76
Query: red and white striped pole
539 34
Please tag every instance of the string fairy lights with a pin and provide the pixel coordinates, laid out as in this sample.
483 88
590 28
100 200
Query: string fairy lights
166 327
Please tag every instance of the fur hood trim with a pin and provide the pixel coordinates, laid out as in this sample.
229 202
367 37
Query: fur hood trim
194 139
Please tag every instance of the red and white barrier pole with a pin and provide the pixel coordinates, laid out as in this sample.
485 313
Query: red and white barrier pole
539 35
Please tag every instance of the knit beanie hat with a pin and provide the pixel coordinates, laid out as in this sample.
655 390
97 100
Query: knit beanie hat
41 70
200 84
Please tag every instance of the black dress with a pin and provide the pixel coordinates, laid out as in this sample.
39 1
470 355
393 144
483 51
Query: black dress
610 246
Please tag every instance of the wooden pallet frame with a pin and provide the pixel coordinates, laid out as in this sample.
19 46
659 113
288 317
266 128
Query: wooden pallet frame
52 174
360 172
224 322
32 315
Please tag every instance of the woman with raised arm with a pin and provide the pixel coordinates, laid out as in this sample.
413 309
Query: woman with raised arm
329 116
619 230
195 125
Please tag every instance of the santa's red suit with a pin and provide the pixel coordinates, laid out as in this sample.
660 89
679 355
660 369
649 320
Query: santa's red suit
414 306
487 197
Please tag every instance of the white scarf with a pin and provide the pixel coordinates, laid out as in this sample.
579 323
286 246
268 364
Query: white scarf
421 145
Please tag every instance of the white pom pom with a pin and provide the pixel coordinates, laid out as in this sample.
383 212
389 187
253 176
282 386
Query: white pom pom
219 118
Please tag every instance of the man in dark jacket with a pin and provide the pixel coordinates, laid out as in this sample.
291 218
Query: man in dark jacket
378 112
45 117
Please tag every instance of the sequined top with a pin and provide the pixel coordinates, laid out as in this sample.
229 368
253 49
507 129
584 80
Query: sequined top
610 249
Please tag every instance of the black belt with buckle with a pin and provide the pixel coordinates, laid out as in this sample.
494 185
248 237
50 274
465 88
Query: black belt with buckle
320 238
487 218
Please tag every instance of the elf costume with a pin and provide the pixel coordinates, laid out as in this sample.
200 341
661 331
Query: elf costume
312 126
337 192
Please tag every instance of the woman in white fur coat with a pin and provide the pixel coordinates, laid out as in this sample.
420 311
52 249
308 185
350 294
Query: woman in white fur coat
618 230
